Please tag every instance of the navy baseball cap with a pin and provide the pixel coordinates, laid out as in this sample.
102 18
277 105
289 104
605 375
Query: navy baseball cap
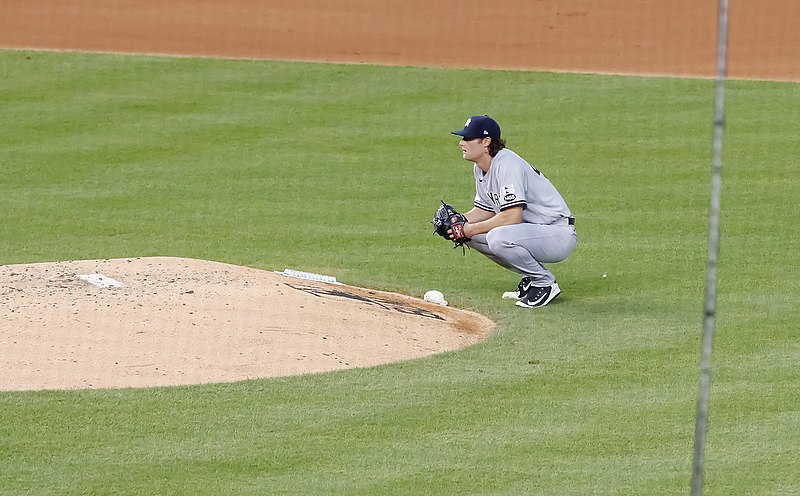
479 126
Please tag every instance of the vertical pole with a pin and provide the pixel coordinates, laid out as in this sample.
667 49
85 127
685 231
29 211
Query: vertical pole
710 306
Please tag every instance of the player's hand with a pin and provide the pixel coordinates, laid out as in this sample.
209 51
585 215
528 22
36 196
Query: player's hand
449 224
458 231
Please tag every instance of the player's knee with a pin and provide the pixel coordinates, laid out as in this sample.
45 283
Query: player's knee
496 242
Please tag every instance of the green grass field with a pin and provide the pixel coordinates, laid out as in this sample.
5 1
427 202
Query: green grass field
338 169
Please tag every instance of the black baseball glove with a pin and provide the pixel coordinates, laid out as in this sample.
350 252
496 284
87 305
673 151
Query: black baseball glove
448 219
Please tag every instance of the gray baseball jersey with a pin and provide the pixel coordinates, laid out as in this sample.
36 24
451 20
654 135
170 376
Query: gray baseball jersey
512 182
545 234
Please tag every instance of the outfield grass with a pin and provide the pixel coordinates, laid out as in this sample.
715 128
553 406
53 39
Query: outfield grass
338 169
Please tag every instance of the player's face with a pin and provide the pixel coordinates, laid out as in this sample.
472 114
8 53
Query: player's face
473 149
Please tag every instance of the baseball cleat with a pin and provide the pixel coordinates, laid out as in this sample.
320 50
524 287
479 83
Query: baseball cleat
539 297
522 290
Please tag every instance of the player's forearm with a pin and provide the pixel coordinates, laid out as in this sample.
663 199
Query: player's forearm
504 218
478 215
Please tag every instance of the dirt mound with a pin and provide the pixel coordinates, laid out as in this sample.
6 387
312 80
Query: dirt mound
144 322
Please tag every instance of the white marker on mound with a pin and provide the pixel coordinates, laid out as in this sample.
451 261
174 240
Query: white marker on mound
101 281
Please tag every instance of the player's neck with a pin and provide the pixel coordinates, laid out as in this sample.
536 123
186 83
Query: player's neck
484 162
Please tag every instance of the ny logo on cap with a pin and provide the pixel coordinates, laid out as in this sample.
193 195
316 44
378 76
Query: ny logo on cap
469 121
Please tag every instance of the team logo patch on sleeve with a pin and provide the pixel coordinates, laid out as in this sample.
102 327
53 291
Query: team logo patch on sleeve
508 193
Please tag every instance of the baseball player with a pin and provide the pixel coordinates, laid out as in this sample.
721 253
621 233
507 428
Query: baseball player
519 219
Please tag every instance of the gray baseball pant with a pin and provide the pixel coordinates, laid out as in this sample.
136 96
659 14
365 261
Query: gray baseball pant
523 248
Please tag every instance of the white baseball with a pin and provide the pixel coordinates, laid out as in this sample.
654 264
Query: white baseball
434 296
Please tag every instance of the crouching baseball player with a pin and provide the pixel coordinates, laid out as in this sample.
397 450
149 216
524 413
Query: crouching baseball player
519 220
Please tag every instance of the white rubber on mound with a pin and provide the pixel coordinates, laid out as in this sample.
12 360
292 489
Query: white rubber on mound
101 281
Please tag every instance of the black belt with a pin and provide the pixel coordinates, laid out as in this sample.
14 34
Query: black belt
558 222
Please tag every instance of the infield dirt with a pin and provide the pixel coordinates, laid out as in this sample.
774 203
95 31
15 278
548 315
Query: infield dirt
676 37
184 321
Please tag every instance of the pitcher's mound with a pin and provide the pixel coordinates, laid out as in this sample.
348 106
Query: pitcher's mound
144 322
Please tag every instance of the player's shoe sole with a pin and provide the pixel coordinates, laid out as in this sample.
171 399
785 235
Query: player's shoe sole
539 297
